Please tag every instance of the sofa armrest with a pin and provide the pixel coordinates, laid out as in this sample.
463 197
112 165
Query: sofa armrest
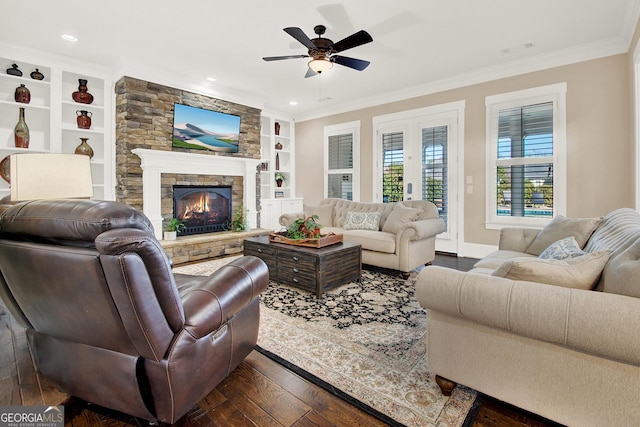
593 322
517 239
423 229
287 219
215 300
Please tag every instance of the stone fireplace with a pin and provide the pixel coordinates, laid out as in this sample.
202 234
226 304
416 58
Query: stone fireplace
147 166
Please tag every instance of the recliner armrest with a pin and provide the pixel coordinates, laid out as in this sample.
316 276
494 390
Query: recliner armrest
211 303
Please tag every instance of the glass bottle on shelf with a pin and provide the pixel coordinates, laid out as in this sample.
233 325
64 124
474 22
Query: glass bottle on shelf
21 132
84 148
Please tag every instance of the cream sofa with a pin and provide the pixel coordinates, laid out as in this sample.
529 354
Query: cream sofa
403 238
570 355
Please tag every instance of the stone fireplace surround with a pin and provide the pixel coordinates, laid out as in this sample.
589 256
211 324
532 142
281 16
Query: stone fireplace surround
154 163
146 160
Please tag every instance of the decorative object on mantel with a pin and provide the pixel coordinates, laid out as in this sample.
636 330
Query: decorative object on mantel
37 75
239 223
277 128
22 94
277 161
21 131
171 230
279 177
5 165
14 71
82 95
278 146
84 119
84 148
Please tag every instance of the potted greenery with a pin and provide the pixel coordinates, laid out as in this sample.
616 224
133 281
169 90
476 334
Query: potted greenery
279 176
239 223
171 229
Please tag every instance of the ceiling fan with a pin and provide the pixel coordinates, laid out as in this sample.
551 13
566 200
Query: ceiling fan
323 51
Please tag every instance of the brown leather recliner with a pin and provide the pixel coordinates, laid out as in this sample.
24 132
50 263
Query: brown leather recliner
107 320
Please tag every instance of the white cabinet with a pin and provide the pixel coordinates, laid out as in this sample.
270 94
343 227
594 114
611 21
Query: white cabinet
277 149
271 209
51 116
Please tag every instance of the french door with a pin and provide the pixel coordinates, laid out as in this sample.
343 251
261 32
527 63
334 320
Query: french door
417 160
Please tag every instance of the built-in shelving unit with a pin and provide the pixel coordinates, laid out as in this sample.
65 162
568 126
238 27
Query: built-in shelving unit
51 116
277 144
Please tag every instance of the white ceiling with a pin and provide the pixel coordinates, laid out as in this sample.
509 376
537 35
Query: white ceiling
419 46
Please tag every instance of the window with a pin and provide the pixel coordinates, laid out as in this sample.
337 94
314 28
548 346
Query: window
341 161
392 167
435 168
526 166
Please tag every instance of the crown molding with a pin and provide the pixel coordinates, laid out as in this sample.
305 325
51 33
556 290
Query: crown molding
541 62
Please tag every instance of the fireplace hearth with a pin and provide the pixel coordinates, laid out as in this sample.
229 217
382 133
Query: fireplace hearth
202 209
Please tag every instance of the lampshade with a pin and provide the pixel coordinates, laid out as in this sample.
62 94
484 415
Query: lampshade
320 65
50 176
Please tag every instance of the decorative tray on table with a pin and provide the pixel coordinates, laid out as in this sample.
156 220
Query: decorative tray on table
311 242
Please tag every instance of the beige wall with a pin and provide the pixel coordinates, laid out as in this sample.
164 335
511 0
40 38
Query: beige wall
599 139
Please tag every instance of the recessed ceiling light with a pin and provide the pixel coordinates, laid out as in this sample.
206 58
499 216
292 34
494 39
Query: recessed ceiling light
69 37
211 79
293 102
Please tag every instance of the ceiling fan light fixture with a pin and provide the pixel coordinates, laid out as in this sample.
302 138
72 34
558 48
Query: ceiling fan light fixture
320 65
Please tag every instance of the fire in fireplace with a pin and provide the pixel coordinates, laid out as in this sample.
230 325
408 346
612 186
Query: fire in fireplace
202 209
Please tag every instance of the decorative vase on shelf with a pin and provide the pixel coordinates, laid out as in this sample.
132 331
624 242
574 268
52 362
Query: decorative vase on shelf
14 71
278 146
277 128
21 131
84 148
82 95
37 75
22 94
277 161
84 119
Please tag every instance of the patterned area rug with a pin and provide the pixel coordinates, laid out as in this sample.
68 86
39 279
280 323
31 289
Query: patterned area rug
364 338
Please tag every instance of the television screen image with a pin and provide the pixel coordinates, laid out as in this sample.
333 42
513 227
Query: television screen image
202 129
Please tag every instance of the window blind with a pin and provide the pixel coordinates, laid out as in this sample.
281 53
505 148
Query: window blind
392 167
434 168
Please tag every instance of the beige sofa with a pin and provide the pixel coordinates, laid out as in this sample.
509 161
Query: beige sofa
570 355
402 239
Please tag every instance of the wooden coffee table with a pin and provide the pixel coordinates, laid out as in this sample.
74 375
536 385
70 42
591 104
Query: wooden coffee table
315 270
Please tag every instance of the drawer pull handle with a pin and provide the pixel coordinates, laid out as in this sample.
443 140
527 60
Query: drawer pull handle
295 280
260 250
295 258
295 270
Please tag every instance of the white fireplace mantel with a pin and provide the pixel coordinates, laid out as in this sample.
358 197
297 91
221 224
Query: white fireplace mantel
156 162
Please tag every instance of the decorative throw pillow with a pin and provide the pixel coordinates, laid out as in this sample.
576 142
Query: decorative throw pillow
561 227
362 221
324 212
577 273
563 249
399 216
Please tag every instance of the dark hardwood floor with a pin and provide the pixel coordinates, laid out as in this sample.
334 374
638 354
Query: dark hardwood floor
260 392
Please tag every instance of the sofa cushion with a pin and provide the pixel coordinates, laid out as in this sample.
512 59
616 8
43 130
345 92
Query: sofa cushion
578 273
497 258
324 212
561 227
563 249
362 221
622 272
377 241
399 216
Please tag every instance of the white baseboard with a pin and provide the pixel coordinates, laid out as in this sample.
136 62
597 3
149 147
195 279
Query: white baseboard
475 250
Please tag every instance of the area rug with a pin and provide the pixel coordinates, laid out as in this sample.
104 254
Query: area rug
365 339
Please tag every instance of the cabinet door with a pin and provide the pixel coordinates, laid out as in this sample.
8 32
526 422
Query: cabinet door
270 214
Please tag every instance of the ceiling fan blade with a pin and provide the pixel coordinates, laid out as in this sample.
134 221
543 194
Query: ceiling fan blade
310 73
355 39
299 35
356 64
278 58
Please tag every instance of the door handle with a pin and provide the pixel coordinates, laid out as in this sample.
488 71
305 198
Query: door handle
409 188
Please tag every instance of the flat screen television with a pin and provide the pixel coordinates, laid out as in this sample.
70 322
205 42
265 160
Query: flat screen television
201 129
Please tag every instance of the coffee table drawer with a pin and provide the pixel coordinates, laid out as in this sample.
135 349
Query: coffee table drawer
296 259
294 276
